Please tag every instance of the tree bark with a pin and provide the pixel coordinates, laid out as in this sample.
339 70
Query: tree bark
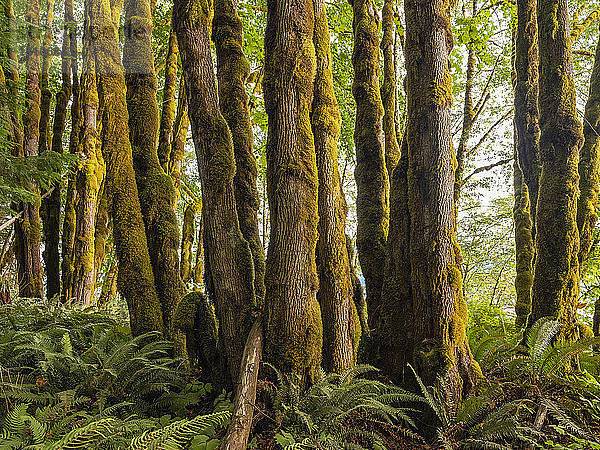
341 326
89 175
524 250
388 88
589 164
156 191
180 129
52 204
428 314
135 278
169 104
527 112
187 239
293 328
238 431
372 185
68 231
28 229
228 252
49 215
232 72
556 275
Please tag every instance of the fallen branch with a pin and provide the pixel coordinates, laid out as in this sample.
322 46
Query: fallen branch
238 432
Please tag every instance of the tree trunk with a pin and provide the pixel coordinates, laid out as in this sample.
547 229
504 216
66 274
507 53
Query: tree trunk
228 252
28 229
51 205
524 250
187 239
293 328
232 72
372 185
180 129
50 221
169 104
589 164
155 187
68 231
341 326
238 431
556 276
388 88
135 277
89 176
429 313
527 166
527 113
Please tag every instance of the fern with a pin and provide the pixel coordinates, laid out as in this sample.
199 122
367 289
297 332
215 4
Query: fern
176 435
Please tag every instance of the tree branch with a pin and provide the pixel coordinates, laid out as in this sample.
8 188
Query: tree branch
484 168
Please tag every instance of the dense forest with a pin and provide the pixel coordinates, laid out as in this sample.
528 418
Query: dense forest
299 224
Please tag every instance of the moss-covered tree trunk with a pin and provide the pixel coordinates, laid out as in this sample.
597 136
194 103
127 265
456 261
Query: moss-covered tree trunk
589 165
52 204
467 124
169 104
28 229
68 231
372 185
49 215
155 187
229 255
89 175
524 249
188 233
293 328
526 99
232 72
428 313
527 165
556 275
388 88
341 326
135 278
180 130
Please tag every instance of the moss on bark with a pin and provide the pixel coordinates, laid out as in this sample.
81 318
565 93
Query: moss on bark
426 314
155 187
135 278
187 240
89 175
371 176
68 232
229 255
341 326
293 328
28 230
232 72
556 276
388 88
589 164
524 250
53 203
167 116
